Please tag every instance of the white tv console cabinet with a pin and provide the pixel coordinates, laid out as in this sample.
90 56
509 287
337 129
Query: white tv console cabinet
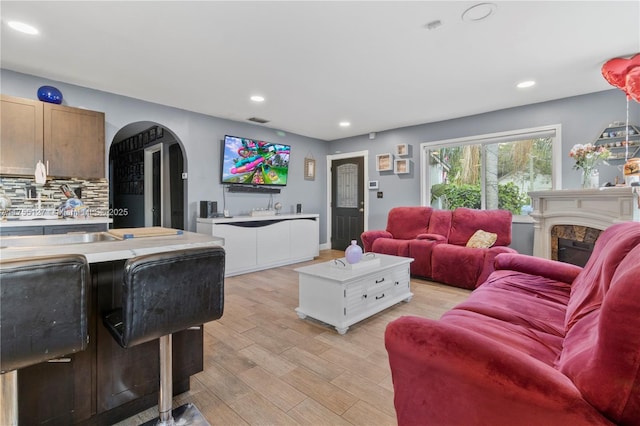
262 242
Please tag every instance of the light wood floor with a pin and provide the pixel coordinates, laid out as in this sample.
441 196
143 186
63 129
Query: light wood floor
265 366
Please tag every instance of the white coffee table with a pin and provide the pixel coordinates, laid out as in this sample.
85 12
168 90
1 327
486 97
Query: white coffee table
338 294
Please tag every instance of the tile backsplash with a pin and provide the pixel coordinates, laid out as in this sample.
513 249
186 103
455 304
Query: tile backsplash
95 194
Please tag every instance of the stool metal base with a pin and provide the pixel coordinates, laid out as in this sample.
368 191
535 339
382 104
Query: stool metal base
187 414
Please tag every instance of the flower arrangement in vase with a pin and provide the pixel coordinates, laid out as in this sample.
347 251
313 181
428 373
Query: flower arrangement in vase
587 156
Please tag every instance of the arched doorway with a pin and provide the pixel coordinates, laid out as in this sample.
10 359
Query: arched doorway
146 187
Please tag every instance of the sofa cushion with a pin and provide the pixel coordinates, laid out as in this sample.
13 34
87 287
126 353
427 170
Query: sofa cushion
406 223
457 265
440 222
465 222
391 246
601 350
522 311
591 285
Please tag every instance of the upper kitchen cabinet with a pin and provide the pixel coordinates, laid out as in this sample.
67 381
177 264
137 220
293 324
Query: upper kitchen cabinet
21 135
70 139
73 141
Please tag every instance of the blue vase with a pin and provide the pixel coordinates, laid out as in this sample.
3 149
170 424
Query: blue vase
50 94
353 253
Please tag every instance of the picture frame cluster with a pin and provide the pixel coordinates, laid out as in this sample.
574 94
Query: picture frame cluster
387 161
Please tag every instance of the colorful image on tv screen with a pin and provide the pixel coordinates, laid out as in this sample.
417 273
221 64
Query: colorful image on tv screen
253 162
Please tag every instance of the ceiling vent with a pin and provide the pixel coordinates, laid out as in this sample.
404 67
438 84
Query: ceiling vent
258 120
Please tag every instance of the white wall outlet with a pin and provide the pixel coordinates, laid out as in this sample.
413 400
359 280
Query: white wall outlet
184 175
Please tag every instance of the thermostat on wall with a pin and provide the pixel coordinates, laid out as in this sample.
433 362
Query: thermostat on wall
373 184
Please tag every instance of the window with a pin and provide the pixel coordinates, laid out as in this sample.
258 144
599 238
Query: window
491 171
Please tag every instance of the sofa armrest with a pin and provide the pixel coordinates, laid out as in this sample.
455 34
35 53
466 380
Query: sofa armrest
488 265
450 375
433 237
552 269
368 237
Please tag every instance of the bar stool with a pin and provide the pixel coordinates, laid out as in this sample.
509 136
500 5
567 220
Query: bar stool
164 293
44 315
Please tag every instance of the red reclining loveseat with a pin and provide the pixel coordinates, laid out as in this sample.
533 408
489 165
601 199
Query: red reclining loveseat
436 240
539 343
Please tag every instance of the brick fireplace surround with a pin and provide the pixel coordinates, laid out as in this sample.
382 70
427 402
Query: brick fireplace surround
579 210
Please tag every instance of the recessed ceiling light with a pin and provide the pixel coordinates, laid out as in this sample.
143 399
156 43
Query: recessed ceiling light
479 12
345 124
23 28
525 84
257 98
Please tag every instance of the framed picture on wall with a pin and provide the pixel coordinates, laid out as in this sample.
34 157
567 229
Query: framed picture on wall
384 162
402 149
309 169
401 166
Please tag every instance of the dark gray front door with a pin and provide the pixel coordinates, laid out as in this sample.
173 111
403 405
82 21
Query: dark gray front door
347 201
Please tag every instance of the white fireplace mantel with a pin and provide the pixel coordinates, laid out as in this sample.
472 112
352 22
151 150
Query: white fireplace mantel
596 208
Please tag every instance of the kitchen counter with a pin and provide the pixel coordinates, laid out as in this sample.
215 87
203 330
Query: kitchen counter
105 383
106 251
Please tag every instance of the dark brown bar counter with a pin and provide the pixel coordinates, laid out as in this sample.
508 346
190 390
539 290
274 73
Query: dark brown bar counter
105 383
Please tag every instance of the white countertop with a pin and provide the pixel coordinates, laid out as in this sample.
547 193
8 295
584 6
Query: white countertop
105 251
54 222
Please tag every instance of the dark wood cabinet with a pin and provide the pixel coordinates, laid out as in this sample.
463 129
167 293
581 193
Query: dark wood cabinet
70 139
21 137
60 397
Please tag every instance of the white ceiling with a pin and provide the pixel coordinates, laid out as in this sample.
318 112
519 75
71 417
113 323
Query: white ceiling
318 63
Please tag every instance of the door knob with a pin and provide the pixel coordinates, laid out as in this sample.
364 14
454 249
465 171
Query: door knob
361 210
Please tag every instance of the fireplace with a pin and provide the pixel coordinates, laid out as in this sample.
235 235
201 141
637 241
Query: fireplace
573 243
578 216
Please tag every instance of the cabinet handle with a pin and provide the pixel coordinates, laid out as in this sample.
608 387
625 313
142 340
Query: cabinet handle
397 283
60 360
194 328
380 297
379 281
364 296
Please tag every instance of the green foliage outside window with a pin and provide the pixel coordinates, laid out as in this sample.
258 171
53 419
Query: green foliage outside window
513 168
509 196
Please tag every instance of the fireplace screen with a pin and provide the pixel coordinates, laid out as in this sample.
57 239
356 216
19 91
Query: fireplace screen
574 252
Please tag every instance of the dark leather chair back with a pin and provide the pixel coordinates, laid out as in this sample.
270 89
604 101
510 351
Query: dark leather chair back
168 292
44 309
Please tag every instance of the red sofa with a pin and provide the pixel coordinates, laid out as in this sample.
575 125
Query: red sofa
436 240
540 343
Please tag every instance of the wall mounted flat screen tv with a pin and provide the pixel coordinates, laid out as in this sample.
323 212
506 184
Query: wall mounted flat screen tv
253 162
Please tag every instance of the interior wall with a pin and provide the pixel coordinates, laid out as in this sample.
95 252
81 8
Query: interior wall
582 118
201 136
